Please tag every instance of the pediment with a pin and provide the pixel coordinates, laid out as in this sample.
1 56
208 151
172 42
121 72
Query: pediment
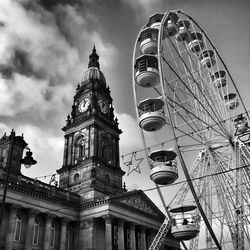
139 201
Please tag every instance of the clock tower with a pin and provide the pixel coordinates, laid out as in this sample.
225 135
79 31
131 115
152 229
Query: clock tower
91 165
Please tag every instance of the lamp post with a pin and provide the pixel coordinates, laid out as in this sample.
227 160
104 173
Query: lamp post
27 161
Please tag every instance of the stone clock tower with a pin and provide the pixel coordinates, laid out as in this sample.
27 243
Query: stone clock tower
91 164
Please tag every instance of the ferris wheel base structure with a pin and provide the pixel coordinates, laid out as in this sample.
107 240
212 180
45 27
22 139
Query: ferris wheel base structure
185 95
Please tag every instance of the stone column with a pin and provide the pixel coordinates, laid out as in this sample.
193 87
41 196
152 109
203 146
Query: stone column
70 149
86 233
46 243
132 236
11 229
143 238
64 223
29 230
108 232
121 242
65 154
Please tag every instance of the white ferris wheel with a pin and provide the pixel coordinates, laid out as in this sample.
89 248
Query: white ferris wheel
185 94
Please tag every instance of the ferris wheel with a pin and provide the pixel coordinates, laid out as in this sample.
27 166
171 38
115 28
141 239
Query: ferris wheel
186 98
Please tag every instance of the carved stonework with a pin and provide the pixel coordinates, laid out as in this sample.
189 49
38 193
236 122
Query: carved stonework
139 203
108 219
87 223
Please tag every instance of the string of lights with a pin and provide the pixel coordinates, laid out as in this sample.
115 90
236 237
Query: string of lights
197 178
144 149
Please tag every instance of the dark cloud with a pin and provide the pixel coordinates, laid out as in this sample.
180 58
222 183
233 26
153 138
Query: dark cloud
6 71
21 64
49 5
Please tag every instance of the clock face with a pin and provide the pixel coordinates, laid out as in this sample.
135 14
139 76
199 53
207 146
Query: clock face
83 105
103 106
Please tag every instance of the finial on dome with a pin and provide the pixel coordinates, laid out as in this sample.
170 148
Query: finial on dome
93 59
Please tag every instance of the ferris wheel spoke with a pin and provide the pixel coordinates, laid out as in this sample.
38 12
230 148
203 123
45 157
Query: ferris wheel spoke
188 88
213 108
189 105
222 61
212 127
202 105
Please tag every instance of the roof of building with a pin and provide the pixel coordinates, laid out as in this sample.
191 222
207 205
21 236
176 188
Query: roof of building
93 72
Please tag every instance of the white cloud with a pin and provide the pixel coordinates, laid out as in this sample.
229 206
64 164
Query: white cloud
47 150
3 129
78 27
145 7
130 139
23 93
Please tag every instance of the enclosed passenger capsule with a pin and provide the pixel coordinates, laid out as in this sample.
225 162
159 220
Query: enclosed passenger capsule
241 124
207 58
231 101
146 71
154 21
163 170
148 41
170 26
183 33
151 114
185 225
195 42
219 79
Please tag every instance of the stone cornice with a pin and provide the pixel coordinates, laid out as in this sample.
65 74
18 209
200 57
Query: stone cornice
44 192
158 215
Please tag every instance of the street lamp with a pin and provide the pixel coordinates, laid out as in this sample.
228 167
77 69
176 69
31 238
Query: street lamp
27 161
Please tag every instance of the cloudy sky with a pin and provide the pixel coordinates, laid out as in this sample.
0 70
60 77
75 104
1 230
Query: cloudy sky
44 49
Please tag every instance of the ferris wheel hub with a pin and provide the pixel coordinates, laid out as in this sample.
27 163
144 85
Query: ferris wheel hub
190 79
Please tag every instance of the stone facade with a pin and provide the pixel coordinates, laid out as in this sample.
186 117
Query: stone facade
90 210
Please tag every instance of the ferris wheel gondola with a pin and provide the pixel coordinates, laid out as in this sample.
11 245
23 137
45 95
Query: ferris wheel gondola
176 64
187 226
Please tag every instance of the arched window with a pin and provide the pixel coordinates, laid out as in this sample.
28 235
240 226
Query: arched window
82 149
36 231
104 149
68 238
18 228
52 235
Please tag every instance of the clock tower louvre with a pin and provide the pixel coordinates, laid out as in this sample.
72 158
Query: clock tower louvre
91 165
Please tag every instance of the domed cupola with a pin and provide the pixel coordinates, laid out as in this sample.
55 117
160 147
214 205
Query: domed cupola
93 72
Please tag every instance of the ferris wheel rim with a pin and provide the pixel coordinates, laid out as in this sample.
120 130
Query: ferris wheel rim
224 64
212 147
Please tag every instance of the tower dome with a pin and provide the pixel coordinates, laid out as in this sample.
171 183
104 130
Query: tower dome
93 72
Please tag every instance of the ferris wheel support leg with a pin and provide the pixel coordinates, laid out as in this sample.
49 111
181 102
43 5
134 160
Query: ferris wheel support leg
161 235
197 200
238 201
181 158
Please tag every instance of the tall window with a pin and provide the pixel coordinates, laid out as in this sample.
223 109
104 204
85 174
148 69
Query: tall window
103 149
82 149
36 232
52 235
18 228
